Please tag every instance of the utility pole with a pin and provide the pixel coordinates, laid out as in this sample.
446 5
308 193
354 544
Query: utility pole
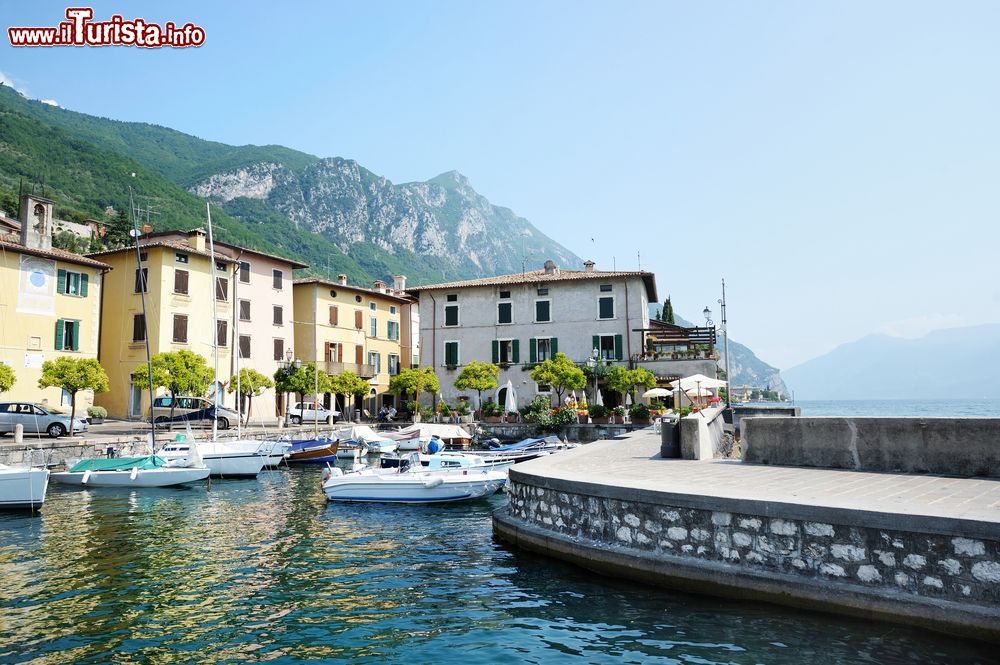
725 331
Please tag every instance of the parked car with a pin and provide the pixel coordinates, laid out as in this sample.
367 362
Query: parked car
38 419
191 409
307 412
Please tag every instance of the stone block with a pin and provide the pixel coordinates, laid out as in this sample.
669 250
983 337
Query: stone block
968 547
986 571
848 552
869 574
818 529
783 528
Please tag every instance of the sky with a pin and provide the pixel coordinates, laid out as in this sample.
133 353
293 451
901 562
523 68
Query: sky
835 162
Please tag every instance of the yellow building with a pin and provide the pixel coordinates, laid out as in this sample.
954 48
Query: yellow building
179 304
50 302
349 328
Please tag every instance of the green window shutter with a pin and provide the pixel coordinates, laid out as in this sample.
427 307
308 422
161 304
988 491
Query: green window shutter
517 356
618 347
496 351
83 284
60 329
553 347
61 282
597 344
532 350
76 335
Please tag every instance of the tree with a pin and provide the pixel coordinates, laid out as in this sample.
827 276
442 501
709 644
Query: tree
180 372
478 376
414 381
251 384
640 376
349 384
7 378
432 385
659 315
561 373
624 381
74 375
668 311
302 380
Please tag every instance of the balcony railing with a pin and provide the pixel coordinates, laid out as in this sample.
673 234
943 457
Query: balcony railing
364 371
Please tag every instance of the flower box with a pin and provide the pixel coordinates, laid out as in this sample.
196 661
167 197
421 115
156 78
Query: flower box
492 419
600 421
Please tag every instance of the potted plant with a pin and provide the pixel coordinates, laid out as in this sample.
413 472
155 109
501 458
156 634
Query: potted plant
639 414
582 417
619 414
97 414
599 414
491 412
464 414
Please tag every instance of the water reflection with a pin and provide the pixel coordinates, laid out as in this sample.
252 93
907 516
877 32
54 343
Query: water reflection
266 571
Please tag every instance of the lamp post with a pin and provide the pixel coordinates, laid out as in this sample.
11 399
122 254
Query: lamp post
725 332
592 362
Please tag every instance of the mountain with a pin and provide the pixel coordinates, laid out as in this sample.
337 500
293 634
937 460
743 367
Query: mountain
957 362
332 213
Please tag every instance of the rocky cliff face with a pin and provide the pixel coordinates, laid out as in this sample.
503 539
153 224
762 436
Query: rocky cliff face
443 219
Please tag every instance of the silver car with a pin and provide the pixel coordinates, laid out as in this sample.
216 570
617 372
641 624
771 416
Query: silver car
38 419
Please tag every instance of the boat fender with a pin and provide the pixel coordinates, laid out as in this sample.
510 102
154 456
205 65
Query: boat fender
332 472
86 476
134 474
433 482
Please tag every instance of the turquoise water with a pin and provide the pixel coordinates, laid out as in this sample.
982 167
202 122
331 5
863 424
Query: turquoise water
266 570
927 408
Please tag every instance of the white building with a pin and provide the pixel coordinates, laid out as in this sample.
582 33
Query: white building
522 319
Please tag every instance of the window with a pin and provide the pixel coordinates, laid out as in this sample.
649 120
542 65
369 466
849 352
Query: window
606 307
333 294
373 306
393 364
605 288
392 309
504 294
279 349
333 315
138 328
451 315
543 311
222 332
276 279
357 298
180 258
143 256
220 266
505 351
543 388
244 272
451 354
67 335
358 318
392 331
244 346
244 310
415 360
375 360
181 281
278 315
180 335
72 283
222 289
141 280
505 313
609 346
373 327
452 297
542 292
541 349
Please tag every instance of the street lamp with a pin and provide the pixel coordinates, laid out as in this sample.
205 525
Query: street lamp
725 331
592 362
288 355
708 316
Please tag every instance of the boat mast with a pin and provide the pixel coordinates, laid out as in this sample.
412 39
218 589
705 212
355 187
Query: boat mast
145 320
215 323
316 360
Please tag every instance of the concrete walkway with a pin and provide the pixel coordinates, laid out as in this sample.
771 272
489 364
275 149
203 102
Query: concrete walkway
633 461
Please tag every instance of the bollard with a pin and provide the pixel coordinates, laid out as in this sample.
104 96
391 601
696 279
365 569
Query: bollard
281 423
18 433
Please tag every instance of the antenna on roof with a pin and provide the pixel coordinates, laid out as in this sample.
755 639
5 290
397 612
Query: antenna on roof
638 259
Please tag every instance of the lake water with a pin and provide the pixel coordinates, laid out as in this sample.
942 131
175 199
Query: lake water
926 408
266 570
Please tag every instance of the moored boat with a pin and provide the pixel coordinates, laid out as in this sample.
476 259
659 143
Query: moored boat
313 451
148 471
225 459
411 486
22 488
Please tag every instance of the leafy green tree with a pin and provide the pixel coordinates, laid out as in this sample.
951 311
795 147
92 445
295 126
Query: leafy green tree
7 378
180 372
74 375
478 376
561 373
668 311
349 384
413 381
617 379
251 384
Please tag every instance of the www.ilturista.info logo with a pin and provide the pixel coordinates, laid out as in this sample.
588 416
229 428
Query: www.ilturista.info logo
81 30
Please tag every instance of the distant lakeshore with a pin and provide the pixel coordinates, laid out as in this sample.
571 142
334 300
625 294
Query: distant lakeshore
929 408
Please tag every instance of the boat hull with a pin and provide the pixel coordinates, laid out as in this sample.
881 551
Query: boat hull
411 487
23 488
320 453
161 477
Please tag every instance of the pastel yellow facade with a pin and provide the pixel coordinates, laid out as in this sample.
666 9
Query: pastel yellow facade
179 307
49 307
349 328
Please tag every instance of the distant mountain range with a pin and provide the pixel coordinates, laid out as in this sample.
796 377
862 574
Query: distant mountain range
952 363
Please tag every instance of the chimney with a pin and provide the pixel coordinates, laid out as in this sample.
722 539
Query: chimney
379 286
36 222
342 279
588 266
550 268
196 239
399 283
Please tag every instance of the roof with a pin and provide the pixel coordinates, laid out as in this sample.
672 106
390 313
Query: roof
541 276
348 287
276 257
175 245
57 254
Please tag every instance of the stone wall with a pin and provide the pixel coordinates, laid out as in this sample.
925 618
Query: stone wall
574 433
948 446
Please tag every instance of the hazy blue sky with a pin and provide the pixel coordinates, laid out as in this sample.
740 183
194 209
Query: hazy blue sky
836 162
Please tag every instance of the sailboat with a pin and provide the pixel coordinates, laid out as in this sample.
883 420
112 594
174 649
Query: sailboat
239 458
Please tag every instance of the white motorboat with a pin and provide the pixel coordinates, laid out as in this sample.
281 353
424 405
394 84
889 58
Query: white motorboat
446 460
411 485
225 459
22 488
149 471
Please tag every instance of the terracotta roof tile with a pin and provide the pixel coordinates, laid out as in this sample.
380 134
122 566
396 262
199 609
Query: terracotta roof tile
359 289
57 254
540 276
172 244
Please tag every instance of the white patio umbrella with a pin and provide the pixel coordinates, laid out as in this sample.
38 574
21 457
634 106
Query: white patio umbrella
628 399
510 400
599 398
657 392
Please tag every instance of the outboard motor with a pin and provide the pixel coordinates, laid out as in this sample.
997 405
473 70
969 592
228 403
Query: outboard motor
492 443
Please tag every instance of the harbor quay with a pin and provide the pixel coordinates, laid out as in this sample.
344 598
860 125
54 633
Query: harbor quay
916 549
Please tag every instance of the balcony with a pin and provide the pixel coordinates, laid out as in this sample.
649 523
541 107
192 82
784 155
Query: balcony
364 371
